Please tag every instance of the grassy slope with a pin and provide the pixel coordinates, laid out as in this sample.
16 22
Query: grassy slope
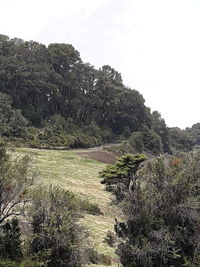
72 172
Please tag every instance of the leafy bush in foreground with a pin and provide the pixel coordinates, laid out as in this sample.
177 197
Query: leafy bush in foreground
162 215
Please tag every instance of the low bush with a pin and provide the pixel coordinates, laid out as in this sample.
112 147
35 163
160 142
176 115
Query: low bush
90 208
110 238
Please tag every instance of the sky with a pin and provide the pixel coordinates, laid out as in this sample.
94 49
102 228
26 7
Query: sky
154 44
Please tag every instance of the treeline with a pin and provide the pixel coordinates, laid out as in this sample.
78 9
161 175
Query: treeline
50 98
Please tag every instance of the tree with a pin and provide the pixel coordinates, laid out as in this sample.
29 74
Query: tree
160 128
120 177
16 178
152 142
194 132
11 120
181 139
44 81
162 217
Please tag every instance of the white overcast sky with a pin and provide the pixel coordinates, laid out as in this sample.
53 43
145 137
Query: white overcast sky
155 44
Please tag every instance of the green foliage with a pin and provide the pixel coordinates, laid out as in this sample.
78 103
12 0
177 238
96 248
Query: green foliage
162 222
74 105
118 178
51 85
10 243
92 256
160 128
56 235
181 139
8 263
152 142
11 120
147 140
52 234
136 141
16 178
110 239
90 208
194 132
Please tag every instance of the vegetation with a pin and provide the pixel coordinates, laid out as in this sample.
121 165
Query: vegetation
118 178
161 209
50 98
46 223
15 181
56 236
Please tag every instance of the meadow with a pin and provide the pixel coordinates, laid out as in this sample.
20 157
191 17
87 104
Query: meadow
71 171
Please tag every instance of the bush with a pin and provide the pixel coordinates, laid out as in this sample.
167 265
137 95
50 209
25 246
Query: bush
10 243
57 237
8 263
136 141
92 256
152 142
96 258
110 238
162 216
90 208
105 259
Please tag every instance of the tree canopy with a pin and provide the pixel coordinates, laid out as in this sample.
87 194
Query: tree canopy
47 82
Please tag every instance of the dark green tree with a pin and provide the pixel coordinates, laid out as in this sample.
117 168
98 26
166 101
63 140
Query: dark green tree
136 141
12 123
194 132
120 177
181 139
160 128
152 141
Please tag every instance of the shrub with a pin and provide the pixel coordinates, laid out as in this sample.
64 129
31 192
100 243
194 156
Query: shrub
57 237
8 263
96 258
136 140
105 259
162 216
90 208
92 256
10 243
152 142
110 238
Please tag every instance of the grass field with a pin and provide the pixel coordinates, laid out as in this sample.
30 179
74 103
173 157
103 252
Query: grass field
71 171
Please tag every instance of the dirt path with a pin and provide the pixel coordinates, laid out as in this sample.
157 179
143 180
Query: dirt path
99 153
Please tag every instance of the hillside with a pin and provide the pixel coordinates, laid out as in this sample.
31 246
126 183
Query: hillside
71 171
62 112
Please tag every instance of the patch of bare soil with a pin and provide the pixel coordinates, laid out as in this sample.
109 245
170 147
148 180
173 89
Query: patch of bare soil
102 156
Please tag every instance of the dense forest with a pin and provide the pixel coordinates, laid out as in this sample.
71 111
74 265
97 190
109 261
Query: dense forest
50 98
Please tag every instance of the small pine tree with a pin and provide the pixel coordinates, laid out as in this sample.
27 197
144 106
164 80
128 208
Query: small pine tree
119 177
